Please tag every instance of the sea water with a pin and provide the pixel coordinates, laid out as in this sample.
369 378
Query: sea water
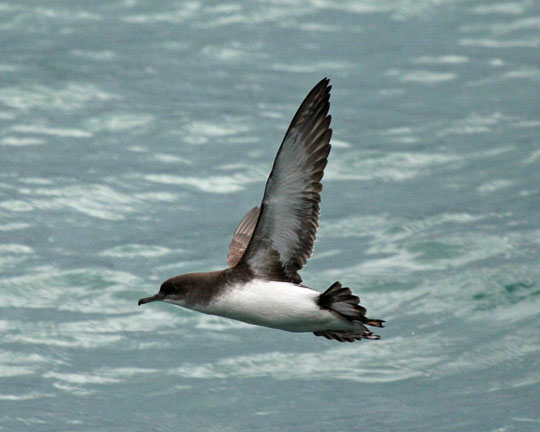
135 135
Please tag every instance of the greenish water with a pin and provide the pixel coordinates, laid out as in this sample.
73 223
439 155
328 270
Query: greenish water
133 138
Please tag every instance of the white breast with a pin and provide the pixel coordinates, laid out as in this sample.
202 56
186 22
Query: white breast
279 305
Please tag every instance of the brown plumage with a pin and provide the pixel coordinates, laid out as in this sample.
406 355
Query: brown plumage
242 236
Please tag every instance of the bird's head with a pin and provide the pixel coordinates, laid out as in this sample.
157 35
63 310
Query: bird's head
172 291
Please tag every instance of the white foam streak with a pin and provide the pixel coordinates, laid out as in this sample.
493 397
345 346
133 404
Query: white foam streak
532 42
490 353
396 166
213 184
25 396
494 185
97 201
506 8
20 141
427 77
72 96
354 363
185 11
14 226
446 59
121 122
135 251
100 376
474 123
103 55
38 129
15 363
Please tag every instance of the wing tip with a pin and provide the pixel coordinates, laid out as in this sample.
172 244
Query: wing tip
327 84
323 84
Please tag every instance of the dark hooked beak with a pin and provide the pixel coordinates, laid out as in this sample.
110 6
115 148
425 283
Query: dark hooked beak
155 297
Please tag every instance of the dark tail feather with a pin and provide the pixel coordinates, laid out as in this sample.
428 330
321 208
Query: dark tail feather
345 336
342 302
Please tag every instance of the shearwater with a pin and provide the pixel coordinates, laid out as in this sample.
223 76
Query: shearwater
273 242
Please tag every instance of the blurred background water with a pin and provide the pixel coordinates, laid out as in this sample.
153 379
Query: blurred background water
134 136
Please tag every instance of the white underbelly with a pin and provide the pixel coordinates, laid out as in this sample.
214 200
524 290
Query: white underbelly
280 305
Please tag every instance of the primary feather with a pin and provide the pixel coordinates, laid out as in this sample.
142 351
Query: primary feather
284 235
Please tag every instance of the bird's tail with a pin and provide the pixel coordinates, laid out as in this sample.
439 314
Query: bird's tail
342 302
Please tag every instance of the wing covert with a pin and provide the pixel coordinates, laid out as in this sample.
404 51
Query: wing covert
242 236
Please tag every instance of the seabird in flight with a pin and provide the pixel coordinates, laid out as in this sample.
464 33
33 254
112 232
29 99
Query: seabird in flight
273 242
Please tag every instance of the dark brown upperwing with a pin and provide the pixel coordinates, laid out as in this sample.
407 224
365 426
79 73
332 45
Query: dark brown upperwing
284 235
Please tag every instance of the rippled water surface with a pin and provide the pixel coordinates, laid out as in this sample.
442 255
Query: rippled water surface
134 136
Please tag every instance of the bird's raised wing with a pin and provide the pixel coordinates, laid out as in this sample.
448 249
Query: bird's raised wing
285 232
242 236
